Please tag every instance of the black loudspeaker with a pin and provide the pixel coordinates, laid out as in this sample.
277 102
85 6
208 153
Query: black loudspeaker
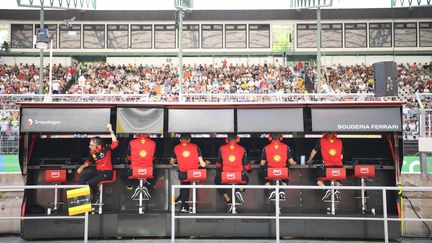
385 79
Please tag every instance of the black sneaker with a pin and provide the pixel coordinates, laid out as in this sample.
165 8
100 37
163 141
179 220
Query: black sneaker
95 198
177 200
229 208
327 195
239 197
337 196
282 195
95 201
184 209
272 195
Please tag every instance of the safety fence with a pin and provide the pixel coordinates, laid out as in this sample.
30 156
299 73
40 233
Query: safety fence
425 139
279 98
11 101
34 187
425 103
9 131
98 98
277 216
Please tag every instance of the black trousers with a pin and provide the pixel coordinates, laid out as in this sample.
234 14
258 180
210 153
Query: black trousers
184 192
92 178
218 181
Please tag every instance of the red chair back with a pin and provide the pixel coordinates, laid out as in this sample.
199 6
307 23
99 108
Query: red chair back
197 175
335 174
364 171
231 178
277 173
142 172
55 176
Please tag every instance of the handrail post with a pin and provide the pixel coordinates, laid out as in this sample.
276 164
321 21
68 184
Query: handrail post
172 215
86 219
194 198
384 195
233 200
277 213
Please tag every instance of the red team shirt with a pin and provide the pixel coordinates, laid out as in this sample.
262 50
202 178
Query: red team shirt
187 156
102 159
141 152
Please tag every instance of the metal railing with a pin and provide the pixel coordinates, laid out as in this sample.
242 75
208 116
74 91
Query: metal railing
9 101
9 144
425 105
229 98
18 187
279 98
99 98
277 217
424 101
9 131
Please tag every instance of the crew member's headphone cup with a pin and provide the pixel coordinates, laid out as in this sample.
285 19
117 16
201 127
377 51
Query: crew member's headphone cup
98 142
271 136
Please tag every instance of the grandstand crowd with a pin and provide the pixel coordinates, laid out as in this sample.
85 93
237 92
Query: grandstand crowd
161 83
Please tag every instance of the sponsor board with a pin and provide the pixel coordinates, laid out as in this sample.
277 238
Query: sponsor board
64 120
79 200
9 164
270 120
411 165
387 119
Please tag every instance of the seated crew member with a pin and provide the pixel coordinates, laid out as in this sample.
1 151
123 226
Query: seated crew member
232 158
332 155
141 152
188 155
275 155
100 155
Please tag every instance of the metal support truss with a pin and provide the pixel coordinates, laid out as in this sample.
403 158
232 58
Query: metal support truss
59 4
410 3
298 4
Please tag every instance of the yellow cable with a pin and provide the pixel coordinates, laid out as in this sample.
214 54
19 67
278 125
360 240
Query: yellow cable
402 213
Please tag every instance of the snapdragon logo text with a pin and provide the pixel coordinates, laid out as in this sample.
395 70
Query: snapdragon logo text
43 122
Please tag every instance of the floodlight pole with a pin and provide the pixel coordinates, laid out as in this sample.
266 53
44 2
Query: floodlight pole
318 49
180 53
41 53
50 69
